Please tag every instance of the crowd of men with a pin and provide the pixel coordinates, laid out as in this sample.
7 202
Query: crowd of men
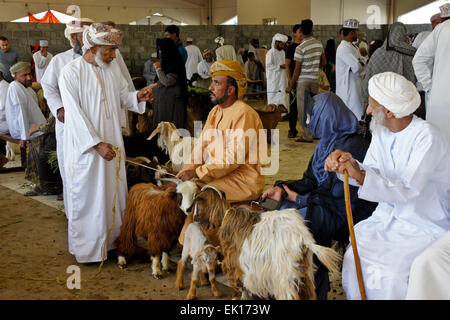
400 174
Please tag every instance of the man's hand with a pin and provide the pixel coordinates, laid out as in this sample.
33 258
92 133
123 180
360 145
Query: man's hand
60 114
185 175
146 94
34 128
24 143
289 89
291 195
157 65
274 193
339 161
105 150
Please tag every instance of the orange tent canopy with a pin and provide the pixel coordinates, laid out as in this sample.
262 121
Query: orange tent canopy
49 17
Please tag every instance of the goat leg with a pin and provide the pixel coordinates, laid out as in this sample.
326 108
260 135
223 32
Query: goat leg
203 280
180 274
194 282
156 267
212 280
122 262
165 262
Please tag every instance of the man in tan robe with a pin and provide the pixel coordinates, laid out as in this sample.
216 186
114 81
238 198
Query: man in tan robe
233 162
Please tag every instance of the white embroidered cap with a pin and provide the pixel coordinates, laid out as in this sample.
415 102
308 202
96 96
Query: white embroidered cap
351 24
445 10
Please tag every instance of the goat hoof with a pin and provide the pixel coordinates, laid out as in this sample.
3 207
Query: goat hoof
179 286
191 297
157 276
217 294
122 262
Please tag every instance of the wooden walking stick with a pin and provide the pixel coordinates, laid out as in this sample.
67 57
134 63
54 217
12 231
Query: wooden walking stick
352 236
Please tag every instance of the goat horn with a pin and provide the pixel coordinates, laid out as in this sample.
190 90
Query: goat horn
154 133
142 159
174 180
209 186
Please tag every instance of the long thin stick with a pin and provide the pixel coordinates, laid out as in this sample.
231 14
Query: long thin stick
154 169
352 236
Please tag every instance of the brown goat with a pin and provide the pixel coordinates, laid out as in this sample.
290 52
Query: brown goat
270 115
267 255
154 213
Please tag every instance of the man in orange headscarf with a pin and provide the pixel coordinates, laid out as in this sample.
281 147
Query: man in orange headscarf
232 163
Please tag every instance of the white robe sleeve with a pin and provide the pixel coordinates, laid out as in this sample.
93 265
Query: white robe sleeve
49 83
124 71
351 60
271 64
41 61
18 103
129 100
203 70
423 61
423 160
84 133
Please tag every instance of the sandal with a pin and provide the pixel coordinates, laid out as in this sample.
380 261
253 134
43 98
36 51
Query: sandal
33 192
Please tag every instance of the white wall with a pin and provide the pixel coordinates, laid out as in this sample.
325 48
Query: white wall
325 12
223 10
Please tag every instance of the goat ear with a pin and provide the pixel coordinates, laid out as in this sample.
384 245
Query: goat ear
282 108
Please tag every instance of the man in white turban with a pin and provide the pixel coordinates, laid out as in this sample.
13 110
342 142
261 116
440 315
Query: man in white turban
42 59
22 107
224 51
73 33
407 171
276 73
94 92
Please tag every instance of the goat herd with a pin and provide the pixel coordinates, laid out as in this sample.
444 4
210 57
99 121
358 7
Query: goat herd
266 255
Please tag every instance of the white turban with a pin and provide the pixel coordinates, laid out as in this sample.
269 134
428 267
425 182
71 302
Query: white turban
19 66
395 93
76 26
279 37
101 35
220 40
43 43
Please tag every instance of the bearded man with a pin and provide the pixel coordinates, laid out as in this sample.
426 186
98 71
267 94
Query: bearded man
73 33
224 136
407 171
94 92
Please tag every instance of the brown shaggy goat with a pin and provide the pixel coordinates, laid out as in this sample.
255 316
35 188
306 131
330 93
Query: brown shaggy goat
154 213
268 254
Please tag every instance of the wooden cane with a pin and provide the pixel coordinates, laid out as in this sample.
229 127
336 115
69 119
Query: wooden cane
352 236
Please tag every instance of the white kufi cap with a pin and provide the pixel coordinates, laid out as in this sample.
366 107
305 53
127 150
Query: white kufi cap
351 24
445 10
